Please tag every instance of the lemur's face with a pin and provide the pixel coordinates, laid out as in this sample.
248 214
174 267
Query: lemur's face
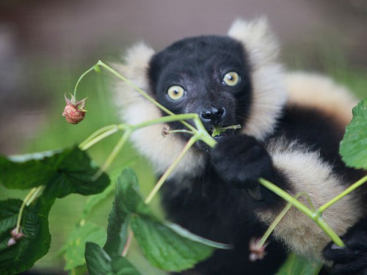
207 75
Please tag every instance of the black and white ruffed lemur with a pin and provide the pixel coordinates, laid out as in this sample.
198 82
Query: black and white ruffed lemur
291 126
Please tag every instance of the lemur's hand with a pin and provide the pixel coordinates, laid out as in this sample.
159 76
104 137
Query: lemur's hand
241 160
351 259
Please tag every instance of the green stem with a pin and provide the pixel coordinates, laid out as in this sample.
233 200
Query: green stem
166 119
313 215
280 217
97 133
170 169
272 226
128 242
27 201
99 138
342 195
144 94
36 194
113 154
80 79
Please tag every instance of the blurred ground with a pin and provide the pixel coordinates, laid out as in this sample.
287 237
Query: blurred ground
46 45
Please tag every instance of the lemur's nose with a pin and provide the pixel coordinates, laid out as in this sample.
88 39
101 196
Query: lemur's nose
213 114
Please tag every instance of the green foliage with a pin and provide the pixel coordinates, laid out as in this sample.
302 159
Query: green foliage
75 246
64 172
28 249
99 262
166 249
298 265
165 245
353 147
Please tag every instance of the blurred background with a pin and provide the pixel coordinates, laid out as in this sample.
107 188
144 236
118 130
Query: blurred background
46 45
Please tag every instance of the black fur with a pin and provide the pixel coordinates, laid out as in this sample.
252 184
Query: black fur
216 204
198 65
352 259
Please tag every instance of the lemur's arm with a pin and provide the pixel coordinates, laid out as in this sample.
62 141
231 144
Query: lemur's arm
241 160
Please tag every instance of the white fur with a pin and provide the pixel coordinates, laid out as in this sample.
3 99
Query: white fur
308 173
269 93
320 92
161 151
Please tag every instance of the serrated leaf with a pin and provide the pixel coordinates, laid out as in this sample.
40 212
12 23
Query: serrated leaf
32 246
353 147
297 265
75 246
166 249
99 262
64 172
128 195
93 201
127 201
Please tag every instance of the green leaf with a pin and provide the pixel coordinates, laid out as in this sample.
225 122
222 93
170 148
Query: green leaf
297 265
62 172
165 245
32 246
166 249
99 262
128 195
127 201
75 247
93 201
188 235
353 147
24 175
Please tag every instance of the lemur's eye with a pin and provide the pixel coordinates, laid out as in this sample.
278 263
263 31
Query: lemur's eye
175 92
231 79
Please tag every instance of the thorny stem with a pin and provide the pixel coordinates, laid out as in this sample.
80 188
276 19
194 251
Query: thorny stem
27 201
170 169
312 214
97 139
96 134
144 94
113 154
127 245
280 216
80 79
341 195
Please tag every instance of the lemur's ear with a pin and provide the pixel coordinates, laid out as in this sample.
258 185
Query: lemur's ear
136 63
269 94
257 38
134 68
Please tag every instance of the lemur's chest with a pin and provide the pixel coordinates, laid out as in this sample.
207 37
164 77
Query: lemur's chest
210 208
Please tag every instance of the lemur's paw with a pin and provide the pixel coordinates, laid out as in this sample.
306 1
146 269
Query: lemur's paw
351 259
241 161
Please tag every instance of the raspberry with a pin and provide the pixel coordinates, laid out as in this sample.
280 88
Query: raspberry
74 111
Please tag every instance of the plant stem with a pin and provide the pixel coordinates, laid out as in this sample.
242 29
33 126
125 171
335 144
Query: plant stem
166 119
97 139
127 245
280 217
27 201
113 154
312 214
170 169
144 94
342 195
80 78
96 133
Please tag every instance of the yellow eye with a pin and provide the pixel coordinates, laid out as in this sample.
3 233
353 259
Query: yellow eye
175 92
231 79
